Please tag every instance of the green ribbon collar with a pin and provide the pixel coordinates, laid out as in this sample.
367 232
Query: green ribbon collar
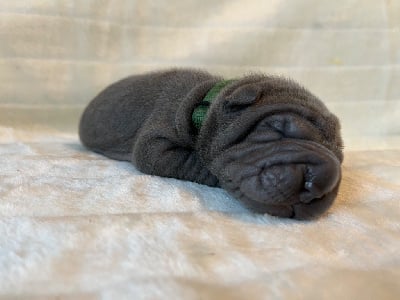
199 113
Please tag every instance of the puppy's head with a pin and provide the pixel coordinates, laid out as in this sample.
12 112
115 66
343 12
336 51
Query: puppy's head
275 146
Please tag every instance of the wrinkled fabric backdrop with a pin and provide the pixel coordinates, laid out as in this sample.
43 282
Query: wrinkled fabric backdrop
75 224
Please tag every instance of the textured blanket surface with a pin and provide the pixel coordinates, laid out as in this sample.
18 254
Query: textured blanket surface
74 224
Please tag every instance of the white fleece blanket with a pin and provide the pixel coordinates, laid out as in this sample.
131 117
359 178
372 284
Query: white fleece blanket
74 224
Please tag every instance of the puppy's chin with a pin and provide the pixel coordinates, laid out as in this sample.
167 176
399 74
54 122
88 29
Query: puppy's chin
288 178
299 211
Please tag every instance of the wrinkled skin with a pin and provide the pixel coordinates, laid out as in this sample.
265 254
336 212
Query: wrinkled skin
266 140
276 147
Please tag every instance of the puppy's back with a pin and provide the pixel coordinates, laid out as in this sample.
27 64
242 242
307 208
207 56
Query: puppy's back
111 120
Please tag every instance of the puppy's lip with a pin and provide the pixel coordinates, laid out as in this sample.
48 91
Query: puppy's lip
315 208
298 211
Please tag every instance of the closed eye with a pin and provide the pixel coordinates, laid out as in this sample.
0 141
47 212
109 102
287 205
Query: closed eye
286 125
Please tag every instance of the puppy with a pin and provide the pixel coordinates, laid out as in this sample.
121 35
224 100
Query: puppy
266 140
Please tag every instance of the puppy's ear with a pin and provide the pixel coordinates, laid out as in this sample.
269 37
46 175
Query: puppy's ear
241 98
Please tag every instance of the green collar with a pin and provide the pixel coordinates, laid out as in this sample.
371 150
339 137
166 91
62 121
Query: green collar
199 113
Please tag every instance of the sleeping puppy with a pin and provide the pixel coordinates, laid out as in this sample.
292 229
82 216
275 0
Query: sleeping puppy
266 140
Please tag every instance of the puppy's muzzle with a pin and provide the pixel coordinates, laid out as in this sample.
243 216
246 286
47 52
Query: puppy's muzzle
287 178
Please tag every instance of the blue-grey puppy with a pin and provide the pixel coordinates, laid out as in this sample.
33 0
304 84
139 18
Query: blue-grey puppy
266 140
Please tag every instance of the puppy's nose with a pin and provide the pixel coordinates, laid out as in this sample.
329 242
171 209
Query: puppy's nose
320 189
319 180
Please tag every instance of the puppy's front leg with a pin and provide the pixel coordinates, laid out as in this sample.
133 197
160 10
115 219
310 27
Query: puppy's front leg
162 156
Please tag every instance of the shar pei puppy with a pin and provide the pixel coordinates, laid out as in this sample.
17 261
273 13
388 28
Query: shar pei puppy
266 140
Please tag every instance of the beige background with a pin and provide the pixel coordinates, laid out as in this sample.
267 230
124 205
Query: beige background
56 55
74 224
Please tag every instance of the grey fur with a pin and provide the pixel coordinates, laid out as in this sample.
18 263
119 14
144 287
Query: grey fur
266 140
